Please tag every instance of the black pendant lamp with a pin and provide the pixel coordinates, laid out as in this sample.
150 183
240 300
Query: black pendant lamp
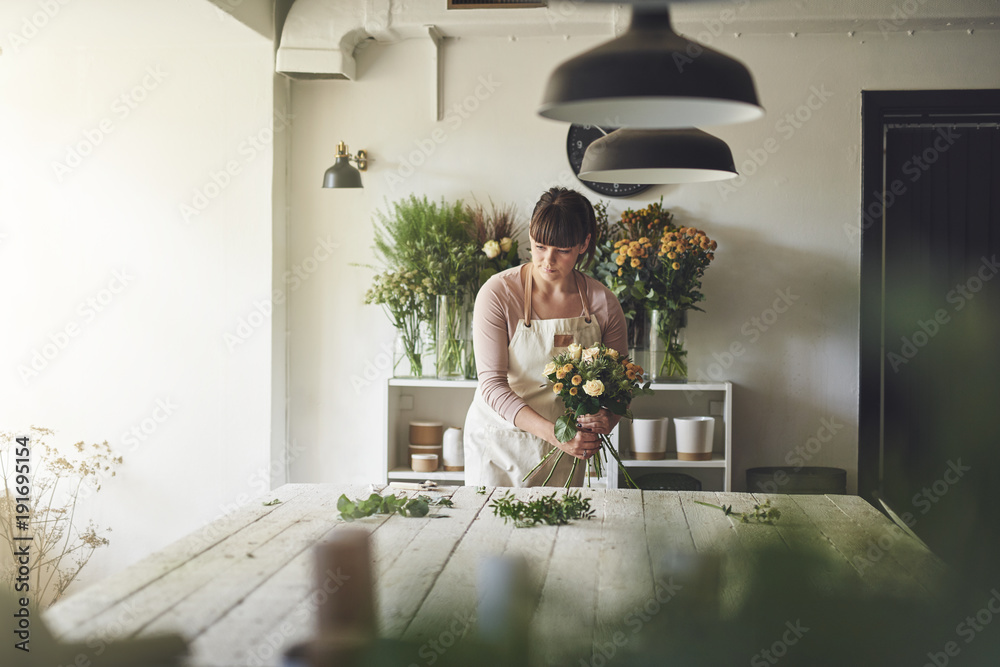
651 77
342 174
657 157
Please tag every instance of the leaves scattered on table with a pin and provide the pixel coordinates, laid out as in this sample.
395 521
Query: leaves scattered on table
762 512
272 503
391 504
547 509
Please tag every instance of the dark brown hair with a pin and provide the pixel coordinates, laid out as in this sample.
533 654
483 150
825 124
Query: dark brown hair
563 218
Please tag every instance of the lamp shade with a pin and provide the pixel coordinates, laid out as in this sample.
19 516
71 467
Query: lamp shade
657 156
342 174
651 77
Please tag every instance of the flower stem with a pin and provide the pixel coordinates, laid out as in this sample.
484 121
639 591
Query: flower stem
607 443
539 465
572 471
554 466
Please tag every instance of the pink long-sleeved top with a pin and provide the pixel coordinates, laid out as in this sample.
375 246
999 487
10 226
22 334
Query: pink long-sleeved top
500 306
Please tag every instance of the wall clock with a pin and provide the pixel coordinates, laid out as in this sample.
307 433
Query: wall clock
581 136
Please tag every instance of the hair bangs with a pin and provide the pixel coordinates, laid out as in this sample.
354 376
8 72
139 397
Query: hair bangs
548 227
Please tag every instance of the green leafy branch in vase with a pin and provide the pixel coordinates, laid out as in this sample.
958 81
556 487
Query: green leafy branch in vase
761 513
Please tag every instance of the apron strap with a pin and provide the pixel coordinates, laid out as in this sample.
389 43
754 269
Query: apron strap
581 290
527 296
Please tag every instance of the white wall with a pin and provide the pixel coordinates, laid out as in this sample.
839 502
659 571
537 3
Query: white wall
197 86
781 229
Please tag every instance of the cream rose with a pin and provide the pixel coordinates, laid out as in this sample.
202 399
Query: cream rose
491 249
575 351
505 244
594 387
550 368
591 353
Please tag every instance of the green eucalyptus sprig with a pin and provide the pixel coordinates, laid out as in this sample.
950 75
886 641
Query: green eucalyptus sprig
762 512
547 509
391 504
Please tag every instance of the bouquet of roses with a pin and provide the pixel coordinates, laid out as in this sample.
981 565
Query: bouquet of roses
587 380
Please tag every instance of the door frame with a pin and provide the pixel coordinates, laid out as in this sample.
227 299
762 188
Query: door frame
878 107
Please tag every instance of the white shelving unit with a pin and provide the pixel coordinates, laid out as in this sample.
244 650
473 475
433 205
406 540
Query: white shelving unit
448 401
406 400
681 400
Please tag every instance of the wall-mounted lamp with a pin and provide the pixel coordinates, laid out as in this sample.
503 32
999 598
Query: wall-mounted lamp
342 174
657 157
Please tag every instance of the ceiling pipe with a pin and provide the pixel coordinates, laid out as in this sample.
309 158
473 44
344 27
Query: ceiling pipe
320 38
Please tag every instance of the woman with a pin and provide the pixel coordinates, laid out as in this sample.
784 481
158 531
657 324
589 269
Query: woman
523 317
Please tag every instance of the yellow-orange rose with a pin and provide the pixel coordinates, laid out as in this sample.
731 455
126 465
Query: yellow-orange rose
573 391
612 353
577 380
557 387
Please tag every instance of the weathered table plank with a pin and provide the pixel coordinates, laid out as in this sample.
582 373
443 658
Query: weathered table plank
71 612
242 589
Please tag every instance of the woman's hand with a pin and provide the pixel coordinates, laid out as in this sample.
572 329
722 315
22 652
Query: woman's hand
583 445
597 423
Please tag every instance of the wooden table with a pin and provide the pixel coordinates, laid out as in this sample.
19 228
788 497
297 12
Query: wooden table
241 590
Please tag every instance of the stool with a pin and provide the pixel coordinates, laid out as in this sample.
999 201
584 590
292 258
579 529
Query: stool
789 479
668 481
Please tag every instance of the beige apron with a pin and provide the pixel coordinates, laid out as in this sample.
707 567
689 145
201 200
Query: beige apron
497 453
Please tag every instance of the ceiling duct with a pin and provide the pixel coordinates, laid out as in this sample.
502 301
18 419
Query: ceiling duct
320 37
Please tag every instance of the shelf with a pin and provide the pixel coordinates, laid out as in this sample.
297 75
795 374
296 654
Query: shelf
689 386
401 474
431 382
718 461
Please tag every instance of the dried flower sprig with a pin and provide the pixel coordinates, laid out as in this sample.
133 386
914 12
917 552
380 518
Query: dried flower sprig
61 543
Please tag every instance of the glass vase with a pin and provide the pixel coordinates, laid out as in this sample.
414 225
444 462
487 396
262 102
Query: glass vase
638 339
667 356
451 325
428 345
406 354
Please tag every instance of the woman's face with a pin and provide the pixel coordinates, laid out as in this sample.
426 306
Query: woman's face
555 264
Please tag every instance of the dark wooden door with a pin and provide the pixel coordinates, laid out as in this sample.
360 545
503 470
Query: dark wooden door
929 410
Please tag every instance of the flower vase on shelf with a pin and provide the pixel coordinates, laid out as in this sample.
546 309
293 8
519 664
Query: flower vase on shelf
428 345
668 358
468 353
451 336
638 340
406 353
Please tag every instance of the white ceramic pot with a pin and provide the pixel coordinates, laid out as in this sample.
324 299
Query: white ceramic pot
454 450
649 439
694 438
